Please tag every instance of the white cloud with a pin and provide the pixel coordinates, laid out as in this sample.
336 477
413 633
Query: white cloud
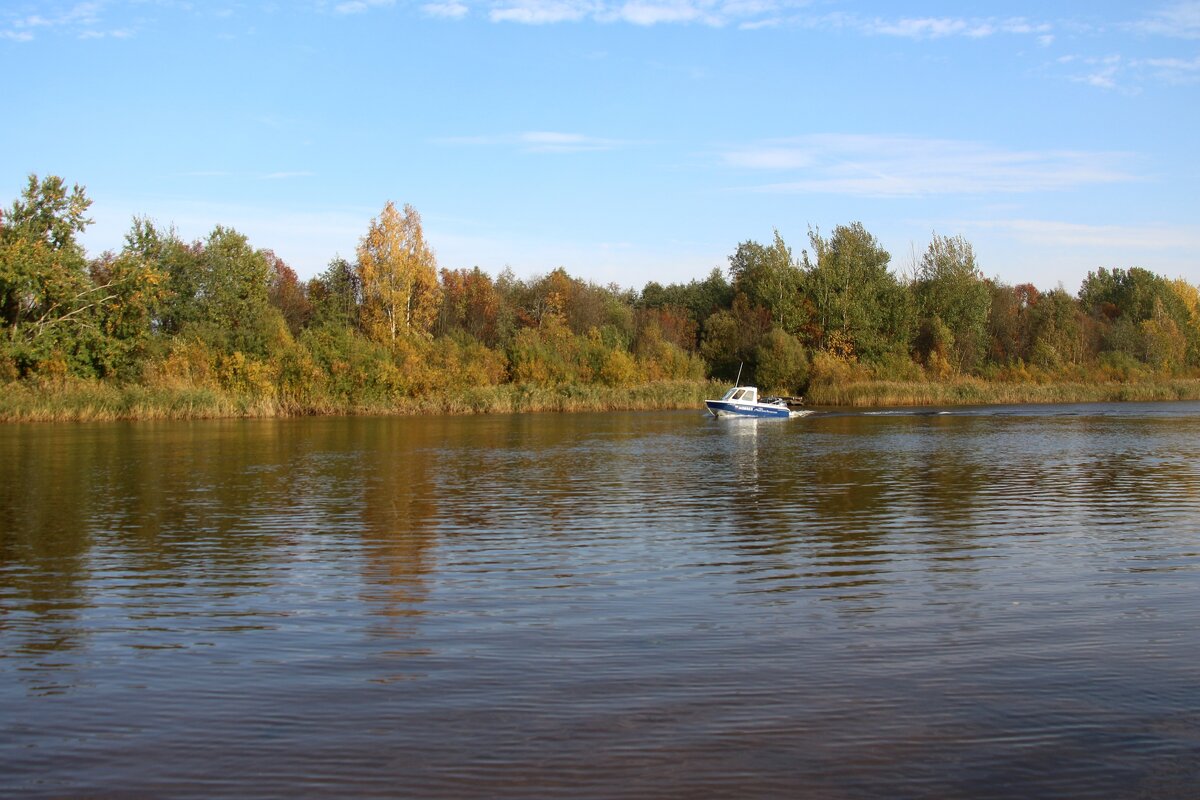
651 13
1103 78
1053 233
359 6
924 28
642 12
1175 70
1115 72
1180 20
538 142
898 166
447 10
542 12
79 15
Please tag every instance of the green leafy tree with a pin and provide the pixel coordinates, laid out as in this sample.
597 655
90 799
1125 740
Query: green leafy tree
950 289
46 296
731 338
699 298
772 279
781 363
335 294
135 289
1056 331
234 301
861 308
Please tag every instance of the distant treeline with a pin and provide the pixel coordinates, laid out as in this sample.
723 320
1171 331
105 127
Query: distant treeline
391 327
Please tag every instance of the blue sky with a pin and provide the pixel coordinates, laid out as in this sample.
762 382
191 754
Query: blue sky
625 141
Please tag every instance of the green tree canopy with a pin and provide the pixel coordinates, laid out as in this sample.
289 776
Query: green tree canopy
772 279
950 288
861 308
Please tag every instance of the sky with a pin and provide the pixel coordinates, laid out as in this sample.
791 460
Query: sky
624 140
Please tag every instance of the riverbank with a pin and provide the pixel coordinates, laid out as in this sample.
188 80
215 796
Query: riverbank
72 400
974 391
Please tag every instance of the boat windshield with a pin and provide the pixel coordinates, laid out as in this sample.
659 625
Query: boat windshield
741 393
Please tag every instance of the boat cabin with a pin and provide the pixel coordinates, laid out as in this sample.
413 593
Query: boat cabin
744 394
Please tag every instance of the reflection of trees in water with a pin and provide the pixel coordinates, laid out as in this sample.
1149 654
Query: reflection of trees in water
836 504
398 512
43 542
169 523
867 502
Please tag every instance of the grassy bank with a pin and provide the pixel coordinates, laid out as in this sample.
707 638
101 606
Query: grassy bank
972 391
68 400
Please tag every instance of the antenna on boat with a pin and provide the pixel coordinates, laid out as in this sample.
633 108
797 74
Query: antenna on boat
738 381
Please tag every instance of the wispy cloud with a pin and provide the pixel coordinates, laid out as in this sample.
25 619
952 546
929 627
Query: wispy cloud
1115 72
538 142
83 18
1174 70
898 166
1054 233
943 27
758 14
359 6
1100 72
445 10
1179 20
542 12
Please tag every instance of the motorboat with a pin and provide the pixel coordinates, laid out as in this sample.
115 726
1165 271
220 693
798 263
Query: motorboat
743 401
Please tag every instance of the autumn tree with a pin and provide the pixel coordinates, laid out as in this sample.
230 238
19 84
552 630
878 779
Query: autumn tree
470 303
287 294
398 276
700 298
126 313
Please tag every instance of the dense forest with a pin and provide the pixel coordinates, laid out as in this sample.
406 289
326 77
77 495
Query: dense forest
221 316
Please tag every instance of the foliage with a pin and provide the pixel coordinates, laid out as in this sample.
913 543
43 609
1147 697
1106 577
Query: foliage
46 298
731 338
781 363
861 306
953 299
397 274
770 278
217 326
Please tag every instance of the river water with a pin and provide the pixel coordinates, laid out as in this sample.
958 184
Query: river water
976 603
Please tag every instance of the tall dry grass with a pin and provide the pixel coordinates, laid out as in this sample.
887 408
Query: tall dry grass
75 400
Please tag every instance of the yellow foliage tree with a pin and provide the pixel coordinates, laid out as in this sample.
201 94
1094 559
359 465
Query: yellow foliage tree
398 275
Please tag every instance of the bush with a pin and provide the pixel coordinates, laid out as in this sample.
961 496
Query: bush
1120 367
782 363
830 369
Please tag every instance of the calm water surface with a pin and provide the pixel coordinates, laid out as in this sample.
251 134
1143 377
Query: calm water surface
983 603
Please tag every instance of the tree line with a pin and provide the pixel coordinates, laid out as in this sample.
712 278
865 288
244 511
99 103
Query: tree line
220 312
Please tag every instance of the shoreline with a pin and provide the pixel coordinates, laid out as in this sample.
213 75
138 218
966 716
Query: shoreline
70 400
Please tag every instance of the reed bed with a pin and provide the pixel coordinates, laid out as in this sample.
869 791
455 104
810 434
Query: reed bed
972 391
69 400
